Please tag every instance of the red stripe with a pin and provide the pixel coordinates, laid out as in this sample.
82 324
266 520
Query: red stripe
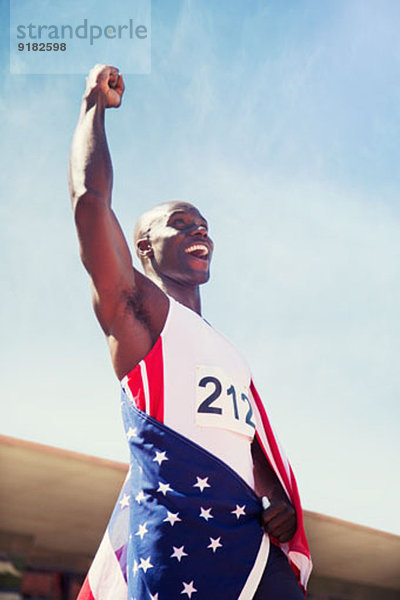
155 378
135 383
271 440
296 571
85 591
299 542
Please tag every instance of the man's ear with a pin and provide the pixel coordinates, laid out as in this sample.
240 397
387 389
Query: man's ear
144 247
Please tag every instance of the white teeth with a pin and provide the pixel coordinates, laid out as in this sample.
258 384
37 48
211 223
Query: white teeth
197 248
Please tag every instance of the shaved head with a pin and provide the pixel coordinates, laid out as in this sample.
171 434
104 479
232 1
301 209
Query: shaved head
146 221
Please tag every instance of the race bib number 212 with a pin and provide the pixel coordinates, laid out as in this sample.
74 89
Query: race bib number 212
222 403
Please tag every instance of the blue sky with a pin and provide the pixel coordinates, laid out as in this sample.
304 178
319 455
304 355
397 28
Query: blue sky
280 120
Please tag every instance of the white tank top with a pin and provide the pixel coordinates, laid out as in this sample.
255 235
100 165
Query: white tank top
196 382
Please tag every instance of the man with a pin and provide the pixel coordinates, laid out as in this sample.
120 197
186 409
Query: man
203 453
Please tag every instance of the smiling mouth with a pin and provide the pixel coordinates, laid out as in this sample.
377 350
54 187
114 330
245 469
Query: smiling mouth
198 250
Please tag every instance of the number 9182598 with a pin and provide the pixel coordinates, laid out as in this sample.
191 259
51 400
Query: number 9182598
42 47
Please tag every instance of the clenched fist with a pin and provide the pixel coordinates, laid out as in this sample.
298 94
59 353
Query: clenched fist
105 82
279 520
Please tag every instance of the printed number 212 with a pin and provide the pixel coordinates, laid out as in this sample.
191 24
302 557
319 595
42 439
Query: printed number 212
207 405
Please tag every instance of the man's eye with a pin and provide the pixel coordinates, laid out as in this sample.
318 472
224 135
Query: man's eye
178 223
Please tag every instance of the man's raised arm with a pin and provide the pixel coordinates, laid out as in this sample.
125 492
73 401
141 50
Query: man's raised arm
104 250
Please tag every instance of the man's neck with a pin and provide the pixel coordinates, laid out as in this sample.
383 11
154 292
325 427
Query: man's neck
187 295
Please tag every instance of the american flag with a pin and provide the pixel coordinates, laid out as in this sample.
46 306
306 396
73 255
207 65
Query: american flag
185 524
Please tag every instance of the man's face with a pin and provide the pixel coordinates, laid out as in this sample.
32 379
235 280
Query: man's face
181 246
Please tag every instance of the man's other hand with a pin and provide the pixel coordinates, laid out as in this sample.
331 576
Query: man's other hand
107 82
279 520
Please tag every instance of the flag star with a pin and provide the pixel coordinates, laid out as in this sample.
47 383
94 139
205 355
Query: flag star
202 483
124 502
215 543
205 513
239 511
142 530
145 564
188 588
140 497
155 597
171 518
132 432
178 553
164 488
160 457
135 567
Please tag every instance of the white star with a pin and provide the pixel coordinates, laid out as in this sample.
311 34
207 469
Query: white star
188 588
178 553
155 597
205 513
142 530
164 488
140 497
215 543
202 483
135 567
160 457
172 518
124 502
132 432
239 511
145 564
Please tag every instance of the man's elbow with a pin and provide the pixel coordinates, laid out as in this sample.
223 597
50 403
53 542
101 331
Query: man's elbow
87 206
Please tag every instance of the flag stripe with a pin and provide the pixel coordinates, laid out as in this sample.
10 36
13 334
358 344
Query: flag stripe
257 571
297 549
133 385
85 592
265 437
105 576
155 379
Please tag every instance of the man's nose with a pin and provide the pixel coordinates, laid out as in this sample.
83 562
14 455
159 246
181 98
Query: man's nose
200 229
